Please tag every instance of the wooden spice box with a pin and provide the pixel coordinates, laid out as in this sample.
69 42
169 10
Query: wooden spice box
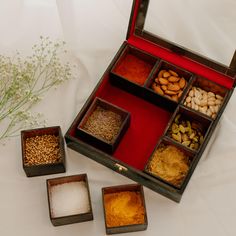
100 143
44 168
152 113
138 198
73 218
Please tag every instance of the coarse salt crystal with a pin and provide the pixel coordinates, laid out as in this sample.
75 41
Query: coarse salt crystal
69 199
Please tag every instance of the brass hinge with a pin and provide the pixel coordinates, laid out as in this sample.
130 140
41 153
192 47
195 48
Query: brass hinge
120 167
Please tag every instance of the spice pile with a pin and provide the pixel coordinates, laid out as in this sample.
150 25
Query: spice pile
170 164
169 84
186 132
69 199
123 208
134 69
206 102
104 124
42 150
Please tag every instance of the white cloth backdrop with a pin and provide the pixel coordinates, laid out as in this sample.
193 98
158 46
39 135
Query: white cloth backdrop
94 30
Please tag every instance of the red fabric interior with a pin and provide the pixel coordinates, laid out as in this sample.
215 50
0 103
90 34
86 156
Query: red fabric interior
148 123
174 58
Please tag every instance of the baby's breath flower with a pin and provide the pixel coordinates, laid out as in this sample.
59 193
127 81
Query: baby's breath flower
24 81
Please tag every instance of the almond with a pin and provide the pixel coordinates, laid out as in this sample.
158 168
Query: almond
173 87
173 79
166 74
175 98
157 80
180 94
157 89
164 87
163 81
160 74
169 92
173 73
182 83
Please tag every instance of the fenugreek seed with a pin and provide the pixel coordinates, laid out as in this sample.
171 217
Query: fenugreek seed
104 124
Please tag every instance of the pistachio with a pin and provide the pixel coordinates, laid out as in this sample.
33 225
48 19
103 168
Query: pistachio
181 129
185 137
175 128
177 119
192 136
176 137
186 132
186 143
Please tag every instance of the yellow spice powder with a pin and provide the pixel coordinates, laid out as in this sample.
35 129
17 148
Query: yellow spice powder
123 208
170 164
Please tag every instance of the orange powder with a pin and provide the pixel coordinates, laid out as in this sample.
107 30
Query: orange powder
123 208
134 69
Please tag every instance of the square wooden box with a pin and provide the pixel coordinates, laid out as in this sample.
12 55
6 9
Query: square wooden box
43 169
152 113
126 228
108 147
70 219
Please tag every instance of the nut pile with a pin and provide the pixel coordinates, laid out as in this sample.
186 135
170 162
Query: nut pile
206 102
104 124
169 84
170 164
186 132
42 150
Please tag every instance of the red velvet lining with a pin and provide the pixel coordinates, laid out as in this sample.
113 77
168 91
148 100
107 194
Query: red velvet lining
174 58
148 123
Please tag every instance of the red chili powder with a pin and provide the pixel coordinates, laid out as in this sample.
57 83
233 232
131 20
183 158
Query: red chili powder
134 69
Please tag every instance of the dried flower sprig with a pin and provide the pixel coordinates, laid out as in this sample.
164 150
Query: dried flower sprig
24 81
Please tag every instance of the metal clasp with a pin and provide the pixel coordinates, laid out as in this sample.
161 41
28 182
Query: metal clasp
120 167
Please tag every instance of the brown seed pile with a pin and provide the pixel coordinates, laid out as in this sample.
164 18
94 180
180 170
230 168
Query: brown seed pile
42 149
186 132
169 84
170 164
104 124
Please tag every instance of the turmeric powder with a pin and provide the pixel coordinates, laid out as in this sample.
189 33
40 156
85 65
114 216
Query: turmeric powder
123 208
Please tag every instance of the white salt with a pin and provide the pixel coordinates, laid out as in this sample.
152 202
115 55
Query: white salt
69 199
